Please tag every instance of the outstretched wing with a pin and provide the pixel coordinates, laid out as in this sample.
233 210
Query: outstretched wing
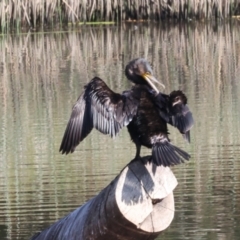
174 110
99 107
181 118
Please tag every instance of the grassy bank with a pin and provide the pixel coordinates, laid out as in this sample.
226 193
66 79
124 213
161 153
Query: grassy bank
39 13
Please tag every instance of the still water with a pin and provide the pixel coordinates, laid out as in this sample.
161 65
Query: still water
41 76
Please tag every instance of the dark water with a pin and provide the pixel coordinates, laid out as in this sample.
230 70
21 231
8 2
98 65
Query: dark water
41 76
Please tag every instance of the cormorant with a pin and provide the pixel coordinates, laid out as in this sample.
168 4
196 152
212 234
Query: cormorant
143 109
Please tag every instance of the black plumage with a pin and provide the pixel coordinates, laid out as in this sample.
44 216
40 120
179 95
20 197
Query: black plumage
174 110
143 109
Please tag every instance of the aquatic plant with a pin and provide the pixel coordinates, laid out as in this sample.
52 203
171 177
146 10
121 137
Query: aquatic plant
39 13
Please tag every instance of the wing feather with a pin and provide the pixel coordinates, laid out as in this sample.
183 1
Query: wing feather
101 108
179 114
182 119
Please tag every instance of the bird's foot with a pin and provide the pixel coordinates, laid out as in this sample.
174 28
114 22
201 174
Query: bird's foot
143 160
139 158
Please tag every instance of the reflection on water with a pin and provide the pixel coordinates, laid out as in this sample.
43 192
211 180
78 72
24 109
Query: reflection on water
42 76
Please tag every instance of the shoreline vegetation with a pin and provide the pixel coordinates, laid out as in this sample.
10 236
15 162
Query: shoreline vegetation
32 14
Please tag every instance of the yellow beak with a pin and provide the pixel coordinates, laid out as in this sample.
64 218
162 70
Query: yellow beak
150 79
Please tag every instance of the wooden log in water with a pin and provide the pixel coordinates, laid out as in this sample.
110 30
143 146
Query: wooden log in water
137 204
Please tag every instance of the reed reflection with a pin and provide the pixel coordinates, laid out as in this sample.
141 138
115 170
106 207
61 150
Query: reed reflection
41 76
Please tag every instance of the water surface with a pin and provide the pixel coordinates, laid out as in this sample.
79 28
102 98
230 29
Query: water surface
41 76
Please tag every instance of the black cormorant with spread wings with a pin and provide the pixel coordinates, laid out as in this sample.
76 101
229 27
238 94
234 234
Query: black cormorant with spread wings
143 109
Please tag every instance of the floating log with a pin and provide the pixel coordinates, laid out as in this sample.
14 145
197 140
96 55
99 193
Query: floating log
137 204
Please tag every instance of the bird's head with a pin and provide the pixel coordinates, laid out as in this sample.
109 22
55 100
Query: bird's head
139 72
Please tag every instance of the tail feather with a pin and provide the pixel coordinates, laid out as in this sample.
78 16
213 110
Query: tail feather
182 153
166 154
161 152
174 158
166 157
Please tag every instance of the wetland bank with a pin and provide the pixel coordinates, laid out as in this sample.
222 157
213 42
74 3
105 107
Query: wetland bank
38 15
